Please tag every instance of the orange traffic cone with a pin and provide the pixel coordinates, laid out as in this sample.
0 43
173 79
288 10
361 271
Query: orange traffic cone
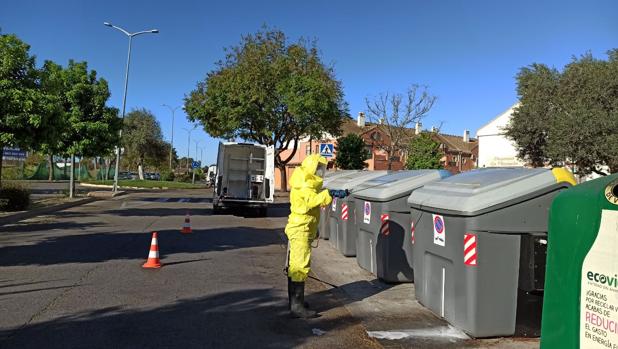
153 255
186 227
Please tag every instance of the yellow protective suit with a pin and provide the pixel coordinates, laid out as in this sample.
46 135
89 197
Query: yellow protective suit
306 197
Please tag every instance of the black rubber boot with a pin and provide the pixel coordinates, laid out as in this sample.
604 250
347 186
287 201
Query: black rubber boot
297 302
290 295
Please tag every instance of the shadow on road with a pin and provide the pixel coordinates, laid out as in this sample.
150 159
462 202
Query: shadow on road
158 212
253 318
100 247
28 227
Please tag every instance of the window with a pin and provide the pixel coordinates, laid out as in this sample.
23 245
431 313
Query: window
376 136
308 149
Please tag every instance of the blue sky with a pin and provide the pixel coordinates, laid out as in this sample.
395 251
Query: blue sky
468 52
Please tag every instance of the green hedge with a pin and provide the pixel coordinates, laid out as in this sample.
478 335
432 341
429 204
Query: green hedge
14 197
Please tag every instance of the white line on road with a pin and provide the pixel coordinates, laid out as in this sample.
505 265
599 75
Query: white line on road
443 332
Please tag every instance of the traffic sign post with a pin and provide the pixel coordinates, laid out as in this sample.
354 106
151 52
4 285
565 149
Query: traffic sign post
327 150
195 165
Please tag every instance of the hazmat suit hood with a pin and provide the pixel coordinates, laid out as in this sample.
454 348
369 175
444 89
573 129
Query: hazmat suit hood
306 177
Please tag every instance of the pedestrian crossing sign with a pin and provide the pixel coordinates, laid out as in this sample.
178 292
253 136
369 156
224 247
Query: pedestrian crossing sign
327 150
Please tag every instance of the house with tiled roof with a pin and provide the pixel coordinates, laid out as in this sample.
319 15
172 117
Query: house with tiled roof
460 153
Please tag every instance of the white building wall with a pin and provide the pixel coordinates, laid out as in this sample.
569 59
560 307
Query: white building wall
494 148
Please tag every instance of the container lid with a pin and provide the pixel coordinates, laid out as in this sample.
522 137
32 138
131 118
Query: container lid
330 175
351 180
470 192
398 184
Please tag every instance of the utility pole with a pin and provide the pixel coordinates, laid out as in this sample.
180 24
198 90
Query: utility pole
173 110
189 144
194 170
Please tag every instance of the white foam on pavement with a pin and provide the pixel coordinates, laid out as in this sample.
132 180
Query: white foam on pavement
445 332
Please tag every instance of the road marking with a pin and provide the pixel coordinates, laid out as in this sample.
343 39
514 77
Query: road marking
440 332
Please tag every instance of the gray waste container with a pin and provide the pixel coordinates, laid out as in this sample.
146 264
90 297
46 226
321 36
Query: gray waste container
325 211
341 217
480 245
383 241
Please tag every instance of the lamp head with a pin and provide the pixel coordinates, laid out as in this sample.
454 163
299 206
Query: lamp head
155 31
107 24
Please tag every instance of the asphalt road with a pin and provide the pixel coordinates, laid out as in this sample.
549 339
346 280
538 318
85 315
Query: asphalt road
74 280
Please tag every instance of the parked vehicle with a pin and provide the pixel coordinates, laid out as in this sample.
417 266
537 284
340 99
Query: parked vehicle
210 175
152 176
245 176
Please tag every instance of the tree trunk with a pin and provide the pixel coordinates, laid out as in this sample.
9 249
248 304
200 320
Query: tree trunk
284 177
65 167
72 177
390 161
108 165
79 171
50 165
140 169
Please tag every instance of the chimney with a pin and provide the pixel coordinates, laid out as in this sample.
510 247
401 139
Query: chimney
466 136
381 121
361 119
434 129
418 128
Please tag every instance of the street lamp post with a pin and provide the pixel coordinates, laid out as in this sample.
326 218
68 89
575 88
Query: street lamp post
189 144
196 144
124 97
172 141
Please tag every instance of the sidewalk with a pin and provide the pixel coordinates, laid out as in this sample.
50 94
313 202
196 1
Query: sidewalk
389 312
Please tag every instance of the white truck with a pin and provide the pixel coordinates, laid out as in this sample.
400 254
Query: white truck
245 177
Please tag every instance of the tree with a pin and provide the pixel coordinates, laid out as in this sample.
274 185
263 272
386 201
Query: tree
143 140
395 116
271 92
22 105
351 152
424 153
569 117
53 86
537 87
90 127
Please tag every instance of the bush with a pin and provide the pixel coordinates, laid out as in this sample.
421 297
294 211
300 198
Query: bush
11 172
14 198
167 175
184 177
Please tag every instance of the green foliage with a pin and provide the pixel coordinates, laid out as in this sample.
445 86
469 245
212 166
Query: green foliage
12 172
568 117
23 107
184 177
424 153
20 101
14 197
351 153
167 175
269 91
143 140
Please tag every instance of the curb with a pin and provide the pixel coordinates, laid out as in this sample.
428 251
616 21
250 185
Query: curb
103 186
14 218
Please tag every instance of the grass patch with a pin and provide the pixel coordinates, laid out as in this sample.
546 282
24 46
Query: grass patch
148 184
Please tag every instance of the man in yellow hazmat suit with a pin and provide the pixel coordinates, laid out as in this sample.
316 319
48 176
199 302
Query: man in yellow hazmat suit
306 198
